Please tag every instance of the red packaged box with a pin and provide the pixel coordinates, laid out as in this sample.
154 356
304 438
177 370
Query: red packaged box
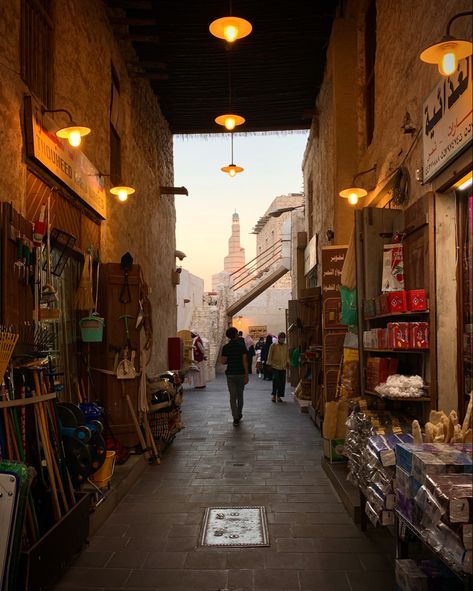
397 301
382 338
416 300
419 335
398 335
384 303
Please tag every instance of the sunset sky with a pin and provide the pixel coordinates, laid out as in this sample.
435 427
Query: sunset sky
272 166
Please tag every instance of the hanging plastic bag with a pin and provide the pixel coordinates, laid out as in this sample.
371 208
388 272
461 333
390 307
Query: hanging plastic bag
349 306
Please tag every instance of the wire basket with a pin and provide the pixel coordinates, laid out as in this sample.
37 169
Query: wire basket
7 345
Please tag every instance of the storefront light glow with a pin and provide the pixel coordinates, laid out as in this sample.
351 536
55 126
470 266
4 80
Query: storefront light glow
466 184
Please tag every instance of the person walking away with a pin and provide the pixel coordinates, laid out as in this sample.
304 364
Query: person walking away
267 372
250 347
278 359
198 353
235 356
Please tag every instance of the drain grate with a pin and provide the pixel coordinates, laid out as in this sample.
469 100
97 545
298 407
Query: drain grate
234 527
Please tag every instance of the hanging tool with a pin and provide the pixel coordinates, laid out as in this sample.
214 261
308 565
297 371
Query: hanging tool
125 318
151 456
126 263
48 292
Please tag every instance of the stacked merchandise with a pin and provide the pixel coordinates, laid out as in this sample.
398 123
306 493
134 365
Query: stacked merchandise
424 575
434 490
370 444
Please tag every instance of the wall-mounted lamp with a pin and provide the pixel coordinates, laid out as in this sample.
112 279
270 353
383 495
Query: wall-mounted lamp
230 28
278 212
122 192
173 191
72 133
180 255
232 169
354 193
448 50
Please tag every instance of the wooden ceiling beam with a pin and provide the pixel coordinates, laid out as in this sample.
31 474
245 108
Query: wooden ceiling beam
138 38
148 64
132 22
150 75
131 4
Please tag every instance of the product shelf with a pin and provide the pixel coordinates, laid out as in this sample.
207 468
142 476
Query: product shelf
375 350
397 314
402 551
398 398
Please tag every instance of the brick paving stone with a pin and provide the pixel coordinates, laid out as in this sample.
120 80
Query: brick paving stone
150 542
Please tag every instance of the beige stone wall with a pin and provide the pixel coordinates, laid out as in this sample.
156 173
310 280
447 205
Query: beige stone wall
85 48
337 147
12 88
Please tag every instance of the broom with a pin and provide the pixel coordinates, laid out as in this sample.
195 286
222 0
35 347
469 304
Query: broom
84 299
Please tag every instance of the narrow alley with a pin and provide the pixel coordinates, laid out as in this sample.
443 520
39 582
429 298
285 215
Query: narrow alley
272 459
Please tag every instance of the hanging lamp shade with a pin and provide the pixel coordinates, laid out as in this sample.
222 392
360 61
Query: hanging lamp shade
447 53
230 121
353 194
122 192
73 134
230 28
232 169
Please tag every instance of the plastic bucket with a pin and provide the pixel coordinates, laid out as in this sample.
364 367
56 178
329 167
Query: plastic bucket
91 328
103 475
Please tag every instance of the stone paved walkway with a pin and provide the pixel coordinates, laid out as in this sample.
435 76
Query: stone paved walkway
273 459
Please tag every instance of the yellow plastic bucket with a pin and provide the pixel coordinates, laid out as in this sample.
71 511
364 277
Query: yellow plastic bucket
103 475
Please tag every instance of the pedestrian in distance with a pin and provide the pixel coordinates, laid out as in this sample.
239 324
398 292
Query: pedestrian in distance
250 347
278 359
198 355
267 373
235 356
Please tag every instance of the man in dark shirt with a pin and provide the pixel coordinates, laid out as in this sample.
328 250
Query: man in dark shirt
234 356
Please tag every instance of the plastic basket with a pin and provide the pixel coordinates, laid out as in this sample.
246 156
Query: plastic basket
91 328
102 477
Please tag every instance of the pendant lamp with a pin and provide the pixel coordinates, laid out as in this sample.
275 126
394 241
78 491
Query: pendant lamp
230 121
232 169
230 28
449 50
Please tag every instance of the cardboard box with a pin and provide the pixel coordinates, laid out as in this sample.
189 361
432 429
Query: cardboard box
334 450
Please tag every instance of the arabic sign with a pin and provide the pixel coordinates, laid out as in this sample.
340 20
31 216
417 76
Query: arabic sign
333 258
447 119
66 163
310 255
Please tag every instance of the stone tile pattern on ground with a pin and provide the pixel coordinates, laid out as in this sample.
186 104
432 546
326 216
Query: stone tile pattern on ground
271 459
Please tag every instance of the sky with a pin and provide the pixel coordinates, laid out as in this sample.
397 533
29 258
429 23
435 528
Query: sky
272 166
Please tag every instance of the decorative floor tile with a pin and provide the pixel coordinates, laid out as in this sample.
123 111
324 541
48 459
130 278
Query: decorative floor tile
234 527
